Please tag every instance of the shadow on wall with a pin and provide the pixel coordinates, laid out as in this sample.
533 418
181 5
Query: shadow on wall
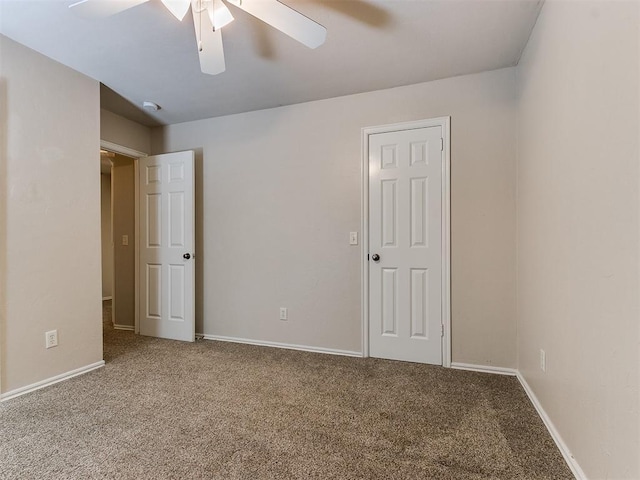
262 41
4 196
361 11
357 10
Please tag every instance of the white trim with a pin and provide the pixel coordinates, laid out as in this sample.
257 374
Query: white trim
446 242
107 298
445 124
564 449
50 381
123 327
113 251
484 368
136 254
364 236
288 346
122 150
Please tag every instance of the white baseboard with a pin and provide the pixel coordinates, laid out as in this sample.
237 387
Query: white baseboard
288 346
566 453
564 450
484 368
562 446
107 298
49 381
123 327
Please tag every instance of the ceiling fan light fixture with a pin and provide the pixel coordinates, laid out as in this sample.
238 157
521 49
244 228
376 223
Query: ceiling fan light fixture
219 14
208 26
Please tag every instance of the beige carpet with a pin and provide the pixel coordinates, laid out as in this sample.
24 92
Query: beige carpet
167 410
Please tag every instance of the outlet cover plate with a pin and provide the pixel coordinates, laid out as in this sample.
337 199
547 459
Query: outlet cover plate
51 338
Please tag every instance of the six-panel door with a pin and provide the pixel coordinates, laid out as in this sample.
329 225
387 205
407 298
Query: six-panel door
405 230
167 241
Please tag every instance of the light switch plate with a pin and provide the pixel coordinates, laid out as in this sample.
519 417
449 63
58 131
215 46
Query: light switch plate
353 238
125 239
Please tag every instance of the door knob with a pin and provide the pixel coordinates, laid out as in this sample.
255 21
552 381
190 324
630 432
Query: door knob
186 256
375 257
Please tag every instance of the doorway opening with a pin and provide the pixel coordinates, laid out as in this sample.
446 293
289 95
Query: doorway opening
105 224
119 222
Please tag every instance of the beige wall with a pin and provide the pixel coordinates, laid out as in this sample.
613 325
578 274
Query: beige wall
52 217
578 240
124 132
279 191
123 184
107 239
132 135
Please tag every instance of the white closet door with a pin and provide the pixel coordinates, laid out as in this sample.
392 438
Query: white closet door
405 245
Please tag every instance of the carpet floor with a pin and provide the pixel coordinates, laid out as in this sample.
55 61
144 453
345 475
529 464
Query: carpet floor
162 409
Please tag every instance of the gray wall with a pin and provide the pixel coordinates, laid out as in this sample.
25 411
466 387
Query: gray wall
123 192
107 238
279 190
578 240
124 132
51 218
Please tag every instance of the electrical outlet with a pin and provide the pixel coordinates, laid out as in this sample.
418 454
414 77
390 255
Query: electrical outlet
283 313
51 339
125 240
543 361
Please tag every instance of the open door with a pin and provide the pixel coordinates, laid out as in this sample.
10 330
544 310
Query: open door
167 246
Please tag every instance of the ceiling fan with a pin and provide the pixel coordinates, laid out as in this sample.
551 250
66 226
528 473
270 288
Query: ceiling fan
209 16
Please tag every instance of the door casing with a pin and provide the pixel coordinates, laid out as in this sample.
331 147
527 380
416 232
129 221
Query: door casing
445 124
135 155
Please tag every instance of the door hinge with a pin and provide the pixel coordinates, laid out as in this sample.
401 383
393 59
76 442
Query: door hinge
442 330
441 144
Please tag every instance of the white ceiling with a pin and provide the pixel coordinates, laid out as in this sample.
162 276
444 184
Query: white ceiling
145 54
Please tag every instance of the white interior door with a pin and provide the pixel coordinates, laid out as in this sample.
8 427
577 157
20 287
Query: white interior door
405 245
167 246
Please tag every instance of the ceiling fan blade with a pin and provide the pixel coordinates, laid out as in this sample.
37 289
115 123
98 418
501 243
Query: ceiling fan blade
179 8
102 8
209 43
219 14
285 19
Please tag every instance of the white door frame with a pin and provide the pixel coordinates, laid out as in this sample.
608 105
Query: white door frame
135 155
445 124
